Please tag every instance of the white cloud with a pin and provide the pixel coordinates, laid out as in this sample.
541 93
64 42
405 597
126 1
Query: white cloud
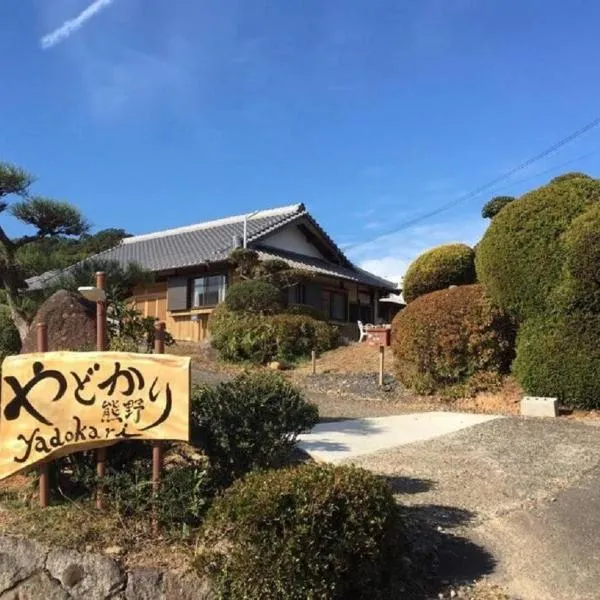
70 26
390 256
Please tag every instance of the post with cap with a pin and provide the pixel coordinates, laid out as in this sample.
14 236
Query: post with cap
159 348
44 483
101 347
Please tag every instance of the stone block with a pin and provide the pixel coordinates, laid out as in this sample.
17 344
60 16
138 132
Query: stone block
534 406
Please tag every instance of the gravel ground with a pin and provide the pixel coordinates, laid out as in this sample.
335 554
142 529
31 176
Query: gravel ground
494 491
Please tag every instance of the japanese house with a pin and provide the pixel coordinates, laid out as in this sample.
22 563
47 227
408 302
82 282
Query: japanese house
192 271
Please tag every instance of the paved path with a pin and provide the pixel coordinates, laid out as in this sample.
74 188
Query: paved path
341 440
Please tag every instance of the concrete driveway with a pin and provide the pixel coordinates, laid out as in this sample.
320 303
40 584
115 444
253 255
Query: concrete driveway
518 499
339 440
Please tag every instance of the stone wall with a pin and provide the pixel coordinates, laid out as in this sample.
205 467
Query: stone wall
31 571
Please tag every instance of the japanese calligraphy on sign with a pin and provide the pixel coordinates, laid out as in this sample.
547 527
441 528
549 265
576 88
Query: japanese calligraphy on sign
56 403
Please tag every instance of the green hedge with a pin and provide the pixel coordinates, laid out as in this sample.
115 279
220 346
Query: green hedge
10 341
254 296
439 268
315 531
248 423
449 337
243 337
559 356
521 258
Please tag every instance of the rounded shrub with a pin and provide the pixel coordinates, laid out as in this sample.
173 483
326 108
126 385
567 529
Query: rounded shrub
520 260
248 337
439 268
254 296
10 341
314 531
559 356
449 337
248 423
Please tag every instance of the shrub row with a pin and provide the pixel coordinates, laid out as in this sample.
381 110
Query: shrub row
240 337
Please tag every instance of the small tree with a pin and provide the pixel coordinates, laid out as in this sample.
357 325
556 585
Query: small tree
49 218
495 205
275 271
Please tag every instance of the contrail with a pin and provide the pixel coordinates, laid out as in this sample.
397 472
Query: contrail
72 25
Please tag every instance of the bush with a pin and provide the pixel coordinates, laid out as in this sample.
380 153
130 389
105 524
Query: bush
314 531
10 341
439 268
307 311
520 260
256 296
241 337
495 205
448 337
248 423
559 356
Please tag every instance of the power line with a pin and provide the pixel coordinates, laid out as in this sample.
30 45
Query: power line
482 188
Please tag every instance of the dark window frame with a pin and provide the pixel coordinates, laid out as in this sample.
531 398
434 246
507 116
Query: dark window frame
220 291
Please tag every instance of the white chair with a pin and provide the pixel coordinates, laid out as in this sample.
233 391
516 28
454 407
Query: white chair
363 330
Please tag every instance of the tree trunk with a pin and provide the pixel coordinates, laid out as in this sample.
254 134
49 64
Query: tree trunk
18 316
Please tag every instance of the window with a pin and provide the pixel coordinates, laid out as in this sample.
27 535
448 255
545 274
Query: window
208 291
338 306
297 294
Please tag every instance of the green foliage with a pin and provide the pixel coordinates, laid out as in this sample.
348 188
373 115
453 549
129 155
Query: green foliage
304 309
254 296
521 258
314 531
13 180
244 262
10 342
274 271
572 175
449 337
439 268
60 252
50 217
120 279
582 246
130 331
248 423
180 502
495 205
559 356
246 337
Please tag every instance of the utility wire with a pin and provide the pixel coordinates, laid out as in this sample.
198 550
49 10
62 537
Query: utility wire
482 188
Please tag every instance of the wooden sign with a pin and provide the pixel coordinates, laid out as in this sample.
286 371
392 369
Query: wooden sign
57 403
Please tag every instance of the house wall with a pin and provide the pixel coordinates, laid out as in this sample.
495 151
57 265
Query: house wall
192 324
291 239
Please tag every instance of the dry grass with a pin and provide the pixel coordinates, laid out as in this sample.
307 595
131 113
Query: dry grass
80 526
353 358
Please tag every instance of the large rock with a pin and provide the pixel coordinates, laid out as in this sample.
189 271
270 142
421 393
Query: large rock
71 321
19 560
38 587
84 575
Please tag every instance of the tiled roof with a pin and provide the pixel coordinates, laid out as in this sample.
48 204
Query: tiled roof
212 241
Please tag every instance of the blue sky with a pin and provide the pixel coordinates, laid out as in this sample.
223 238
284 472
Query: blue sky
150 114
